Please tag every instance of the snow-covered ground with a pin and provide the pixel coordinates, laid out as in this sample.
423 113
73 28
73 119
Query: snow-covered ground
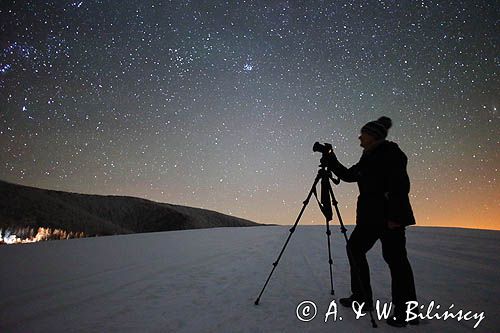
207 280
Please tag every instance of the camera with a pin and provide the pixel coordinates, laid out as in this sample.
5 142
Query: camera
324 149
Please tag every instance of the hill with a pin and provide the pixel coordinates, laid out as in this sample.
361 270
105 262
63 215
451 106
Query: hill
23 206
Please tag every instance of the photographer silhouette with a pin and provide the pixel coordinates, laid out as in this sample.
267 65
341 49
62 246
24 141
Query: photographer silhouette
383 211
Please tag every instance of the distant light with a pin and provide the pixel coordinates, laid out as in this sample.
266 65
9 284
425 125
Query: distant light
248 67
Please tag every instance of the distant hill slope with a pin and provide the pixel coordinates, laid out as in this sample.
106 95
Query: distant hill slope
23 206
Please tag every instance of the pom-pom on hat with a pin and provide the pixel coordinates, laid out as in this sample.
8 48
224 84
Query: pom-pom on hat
378 128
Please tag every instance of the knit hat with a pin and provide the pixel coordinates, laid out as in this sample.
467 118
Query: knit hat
378 128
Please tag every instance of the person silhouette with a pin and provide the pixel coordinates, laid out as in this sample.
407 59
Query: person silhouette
383 211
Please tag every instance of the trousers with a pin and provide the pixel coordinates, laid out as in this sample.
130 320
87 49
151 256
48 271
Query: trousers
394 253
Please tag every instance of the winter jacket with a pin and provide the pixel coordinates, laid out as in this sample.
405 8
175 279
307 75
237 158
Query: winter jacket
383 185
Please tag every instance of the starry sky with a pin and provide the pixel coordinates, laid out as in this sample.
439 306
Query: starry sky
216 104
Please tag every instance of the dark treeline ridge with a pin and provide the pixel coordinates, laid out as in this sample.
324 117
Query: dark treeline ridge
97 215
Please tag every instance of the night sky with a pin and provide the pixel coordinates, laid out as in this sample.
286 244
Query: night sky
216 104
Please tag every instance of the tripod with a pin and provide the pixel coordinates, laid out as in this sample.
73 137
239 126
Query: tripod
327 200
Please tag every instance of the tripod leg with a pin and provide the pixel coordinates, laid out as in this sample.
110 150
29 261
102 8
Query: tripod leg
330 261
288 239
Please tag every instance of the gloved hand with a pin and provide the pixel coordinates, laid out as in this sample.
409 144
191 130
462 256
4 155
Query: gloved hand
329 159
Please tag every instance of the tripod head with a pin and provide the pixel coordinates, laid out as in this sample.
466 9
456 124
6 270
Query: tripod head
325 150
327 198
324 172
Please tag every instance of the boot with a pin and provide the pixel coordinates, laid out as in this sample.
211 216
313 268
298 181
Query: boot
398 318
